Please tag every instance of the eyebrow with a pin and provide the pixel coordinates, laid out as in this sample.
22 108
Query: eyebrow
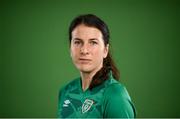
77 39
91 39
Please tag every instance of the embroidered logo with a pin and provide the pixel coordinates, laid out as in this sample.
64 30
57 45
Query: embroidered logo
87 105
66 103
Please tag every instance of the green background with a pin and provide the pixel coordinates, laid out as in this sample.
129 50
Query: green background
35 60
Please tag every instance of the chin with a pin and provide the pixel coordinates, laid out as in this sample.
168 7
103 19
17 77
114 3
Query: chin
85 69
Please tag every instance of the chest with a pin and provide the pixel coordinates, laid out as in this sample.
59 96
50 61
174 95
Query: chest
77 104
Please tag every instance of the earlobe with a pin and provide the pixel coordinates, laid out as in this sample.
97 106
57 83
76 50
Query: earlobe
70 52
106 50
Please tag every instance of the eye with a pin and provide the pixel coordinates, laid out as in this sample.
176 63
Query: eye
93 42
77 42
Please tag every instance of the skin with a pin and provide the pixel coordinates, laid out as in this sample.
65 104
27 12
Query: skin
87 51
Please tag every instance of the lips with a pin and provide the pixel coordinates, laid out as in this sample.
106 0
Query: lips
84 60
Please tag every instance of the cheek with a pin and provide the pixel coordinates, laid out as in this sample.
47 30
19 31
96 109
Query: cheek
98 55
74 53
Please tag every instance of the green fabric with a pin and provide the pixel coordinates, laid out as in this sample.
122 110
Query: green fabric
109 100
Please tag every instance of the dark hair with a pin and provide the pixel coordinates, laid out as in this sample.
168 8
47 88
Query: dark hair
108 63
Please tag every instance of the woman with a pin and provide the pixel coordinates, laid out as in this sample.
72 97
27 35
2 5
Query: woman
97 92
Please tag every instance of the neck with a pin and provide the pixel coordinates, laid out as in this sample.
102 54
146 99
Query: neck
87 78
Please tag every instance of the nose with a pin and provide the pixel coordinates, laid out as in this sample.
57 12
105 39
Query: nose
84 49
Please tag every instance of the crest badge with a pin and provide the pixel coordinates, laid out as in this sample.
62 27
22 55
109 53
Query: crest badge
87 105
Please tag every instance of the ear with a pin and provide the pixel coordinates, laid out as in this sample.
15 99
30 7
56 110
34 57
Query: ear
106 50
70 51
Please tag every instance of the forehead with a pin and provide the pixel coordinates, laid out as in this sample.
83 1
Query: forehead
86 32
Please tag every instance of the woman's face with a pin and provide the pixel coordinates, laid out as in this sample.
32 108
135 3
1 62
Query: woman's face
87 48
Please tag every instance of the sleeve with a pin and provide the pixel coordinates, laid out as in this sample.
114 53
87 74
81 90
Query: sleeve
118 103
60 99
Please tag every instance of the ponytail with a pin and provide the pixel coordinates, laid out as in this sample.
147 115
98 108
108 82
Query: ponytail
104 73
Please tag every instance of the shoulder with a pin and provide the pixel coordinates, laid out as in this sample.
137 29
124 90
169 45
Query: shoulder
70 86
115 88
117 102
